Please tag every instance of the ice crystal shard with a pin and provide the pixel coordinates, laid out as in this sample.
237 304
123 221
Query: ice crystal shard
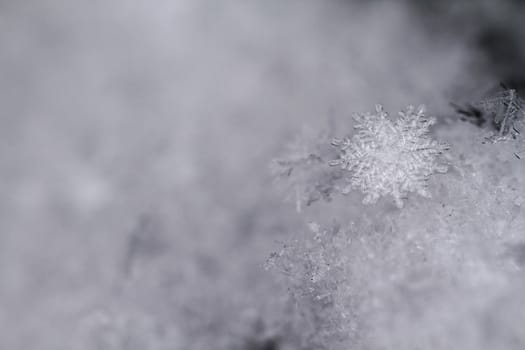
507 110
388 157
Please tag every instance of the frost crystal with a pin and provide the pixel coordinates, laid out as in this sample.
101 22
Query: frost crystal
507 110
388 157
303 169
316 269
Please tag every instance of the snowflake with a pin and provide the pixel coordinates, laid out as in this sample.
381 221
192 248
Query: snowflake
390 157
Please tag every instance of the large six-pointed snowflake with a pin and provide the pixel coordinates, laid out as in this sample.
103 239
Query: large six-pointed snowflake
388 157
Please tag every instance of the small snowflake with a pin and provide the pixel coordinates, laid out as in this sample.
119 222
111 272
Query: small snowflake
388 157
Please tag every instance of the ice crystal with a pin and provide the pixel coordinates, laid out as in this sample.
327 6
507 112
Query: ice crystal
315 269
389 157
302 168
507 111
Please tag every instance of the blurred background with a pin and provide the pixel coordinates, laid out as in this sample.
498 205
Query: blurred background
136 206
